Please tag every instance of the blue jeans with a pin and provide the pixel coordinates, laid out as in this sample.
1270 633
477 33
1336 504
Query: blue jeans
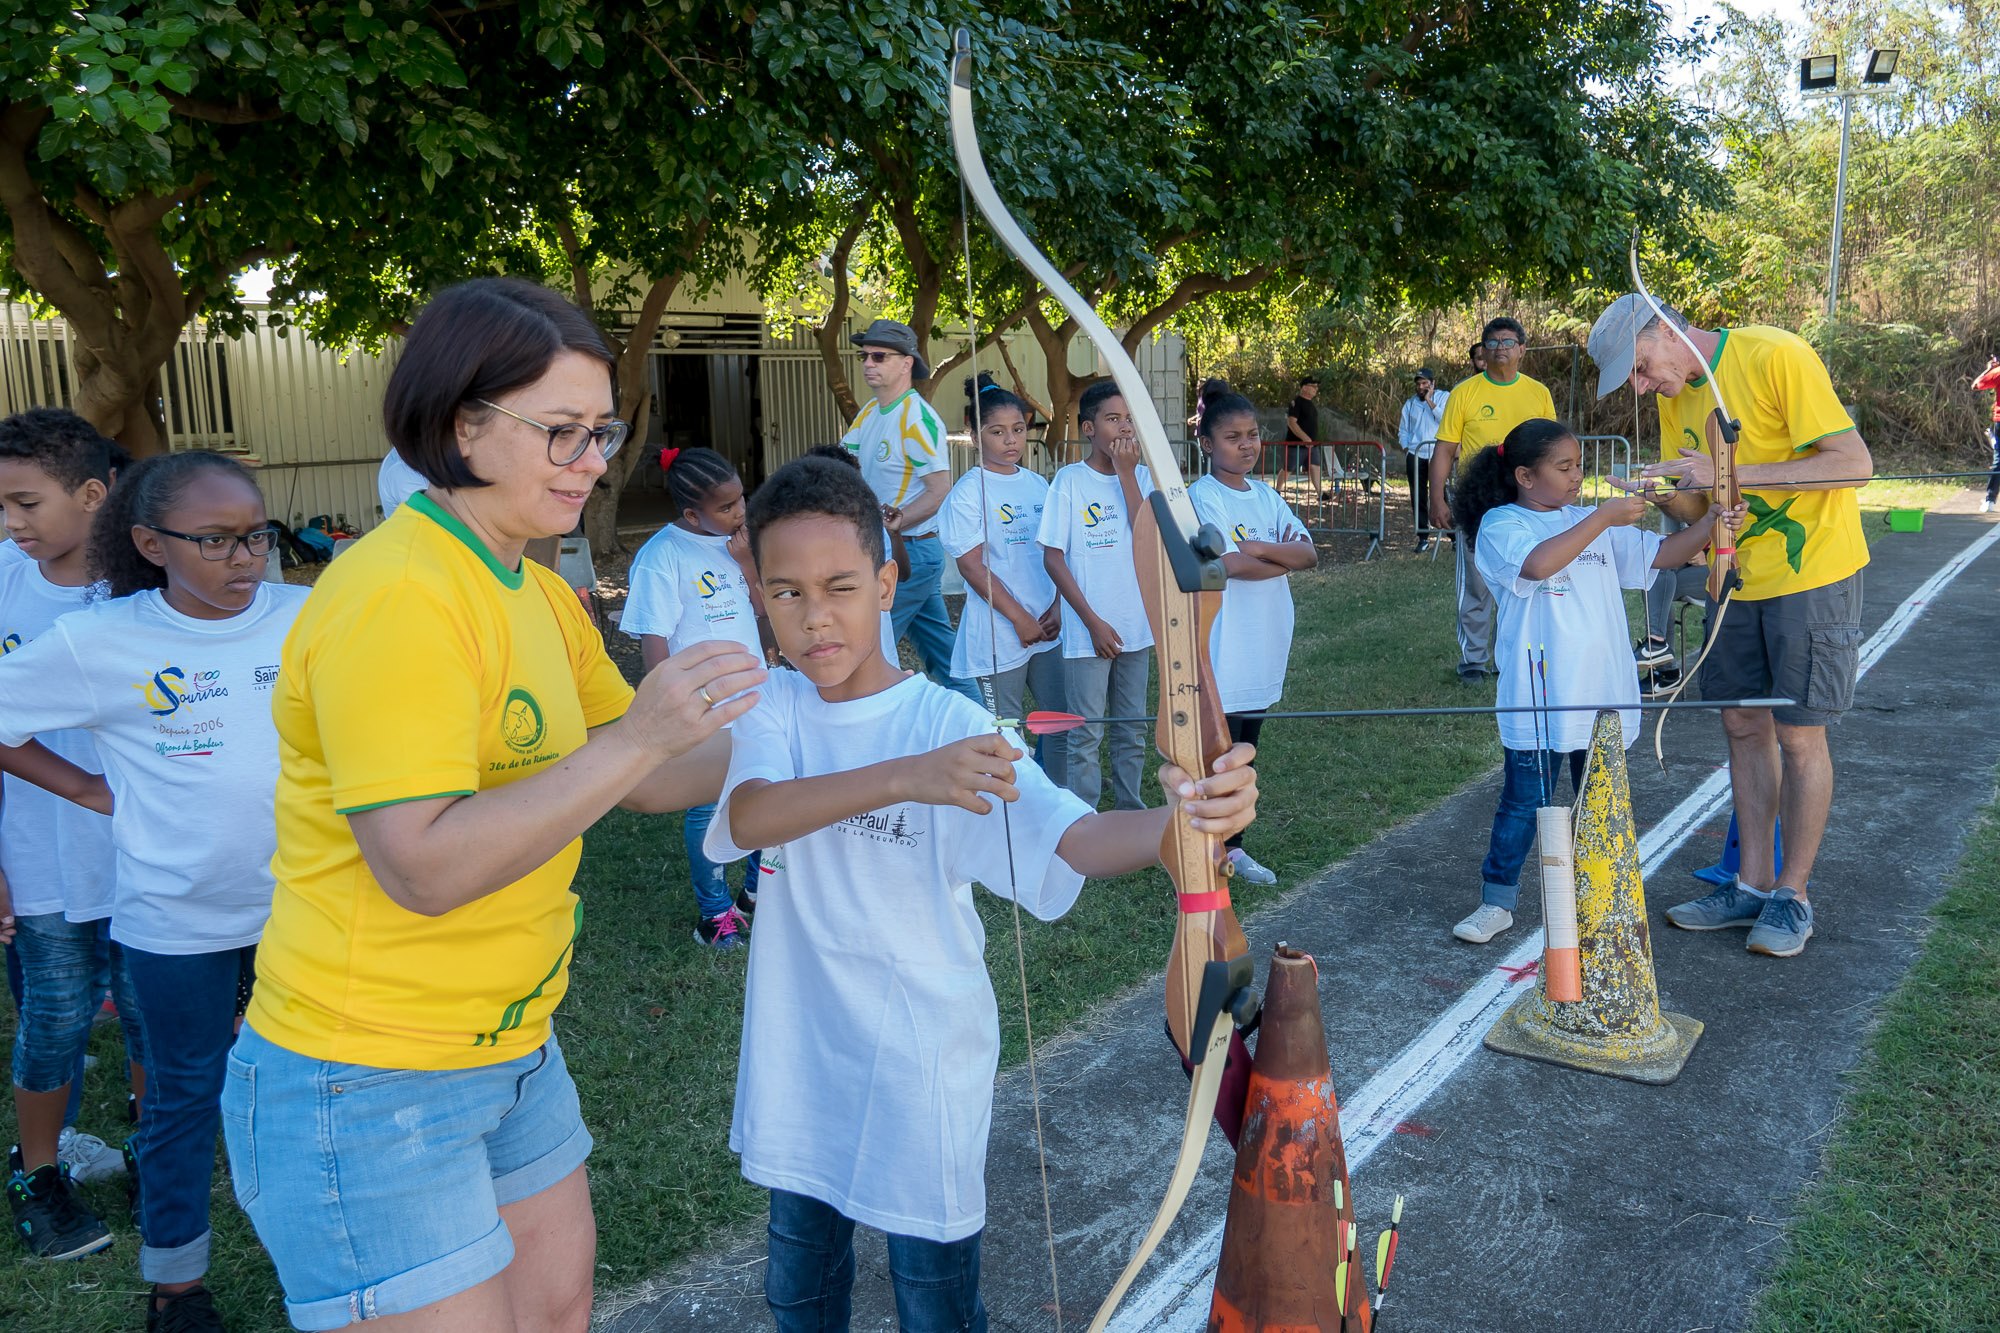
187 1003
1514 821
711 884
920 617
60 971
1993 481
809 1280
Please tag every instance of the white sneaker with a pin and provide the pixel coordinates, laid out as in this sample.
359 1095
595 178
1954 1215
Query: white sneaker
1485 922
1248 870
88 1157
1985 506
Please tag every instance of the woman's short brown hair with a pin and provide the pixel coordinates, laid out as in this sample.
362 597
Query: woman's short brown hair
477 339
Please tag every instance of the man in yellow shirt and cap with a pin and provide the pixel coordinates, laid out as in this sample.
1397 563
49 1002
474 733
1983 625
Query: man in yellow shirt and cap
1797 631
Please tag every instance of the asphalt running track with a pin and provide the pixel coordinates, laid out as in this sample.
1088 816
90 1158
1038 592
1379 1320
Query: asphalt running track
1537 1197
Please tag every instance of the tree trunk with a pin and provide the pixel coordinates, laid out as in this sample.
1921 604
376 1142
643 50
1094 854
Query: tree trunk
830 334
635 405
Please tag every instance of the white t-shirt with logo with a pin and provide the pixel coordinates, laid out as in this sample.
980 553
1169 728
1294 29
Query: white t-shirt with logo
1576 614
899 445
1251 642
56 855
395 482
687 589
1011 505
870 1031
181 712
1085 519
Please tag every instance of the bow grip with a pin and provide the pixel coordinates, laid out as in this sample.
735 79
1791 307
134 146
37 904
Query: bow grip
1227 986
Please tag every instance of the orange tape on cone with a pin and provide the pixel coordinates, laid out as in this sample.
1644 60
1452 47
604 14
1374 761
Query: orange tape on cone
1290 1211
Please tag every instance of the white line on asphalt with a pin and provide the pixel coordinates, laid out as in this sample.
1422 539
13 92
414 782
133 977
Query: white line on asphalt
1176 1300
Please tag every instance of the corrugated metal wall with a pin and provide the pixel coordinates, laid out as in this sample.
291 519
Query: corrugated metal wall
310 420
307 420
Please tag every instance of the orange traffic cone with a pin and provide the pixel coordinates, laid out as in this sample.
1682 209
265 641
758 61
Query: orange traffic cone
1289 1252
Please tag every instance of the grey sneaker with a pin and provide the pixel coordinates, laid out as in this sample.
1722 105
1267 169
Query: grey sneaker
87 1157
1485 922
1248 870
1783 927
1728 907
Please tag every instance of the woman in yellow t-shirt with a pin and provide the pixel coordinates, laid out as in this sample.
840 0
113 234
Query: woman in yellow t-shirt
400 1124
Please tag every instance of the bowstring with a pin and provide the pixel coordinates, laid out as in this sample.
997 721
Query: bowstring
991 694
1713 629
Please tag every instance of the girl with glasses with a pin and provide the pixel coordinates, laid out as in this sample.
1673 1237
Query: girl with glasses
173 678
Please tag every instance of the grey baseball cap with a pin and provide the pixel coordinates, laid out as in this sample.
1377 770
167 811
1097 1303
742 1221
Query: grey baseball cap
1612 337
897 338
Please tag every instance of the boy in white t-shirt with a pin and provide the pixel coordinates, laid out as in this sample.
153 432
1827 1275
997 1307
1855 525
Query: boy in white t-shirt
1251 641
1107 644
864 1088
57 859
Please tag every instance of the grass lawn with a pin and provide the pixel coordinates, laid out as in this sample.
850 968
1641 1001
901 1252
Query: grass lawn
1902 1229
650 1025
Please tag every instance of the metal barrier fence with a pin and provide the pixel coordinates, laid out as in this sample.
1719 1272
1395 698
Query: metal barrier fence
1432 539
1604 456
1351 499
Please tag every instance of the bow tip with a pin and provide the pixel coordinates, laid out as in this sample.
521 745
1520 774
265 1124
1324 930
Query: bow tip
961 57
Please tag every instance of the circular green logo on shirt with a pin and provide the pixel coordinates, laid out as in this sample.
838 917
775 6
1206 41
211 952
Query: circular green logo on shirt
521 724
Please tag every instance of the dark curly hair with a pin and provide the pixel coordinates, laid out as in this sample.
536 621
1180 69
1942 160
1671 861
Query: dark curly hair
62 444
144 495
1488 482
693 475
817 486
1220 406
983 395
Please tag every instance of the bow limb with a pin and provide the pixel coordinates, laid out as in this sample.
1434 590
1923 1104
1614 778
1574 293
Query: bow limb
1721 429
1179 562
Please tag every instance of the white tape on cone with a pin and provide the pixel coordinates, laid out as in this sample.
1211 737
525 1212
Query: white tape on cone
1563 979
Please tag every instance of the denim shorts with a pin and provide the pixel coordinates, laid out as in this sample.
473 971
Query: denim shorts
377 1191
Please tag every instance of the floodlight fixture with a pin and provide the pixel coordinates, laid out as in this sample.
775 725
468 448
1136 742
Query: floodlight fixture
1816 72
1881 64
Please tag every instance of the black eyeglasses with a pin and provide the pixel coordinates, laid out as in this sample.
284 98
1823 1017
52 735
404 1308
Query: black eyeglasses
872 357
568 441
222 545
1500 344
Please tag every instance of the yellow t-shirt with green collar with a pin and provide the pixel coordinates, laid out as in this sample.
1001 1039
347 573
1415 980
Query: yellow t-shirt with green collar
421 667
1480 411
1791 541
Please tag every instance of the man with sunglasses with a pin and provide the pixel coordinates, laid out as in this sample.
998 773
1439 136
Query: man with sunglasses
899 440
1477 415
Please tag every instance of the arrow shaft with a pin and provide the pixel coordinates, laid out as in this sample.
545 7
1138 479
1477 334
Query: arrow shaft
1479 710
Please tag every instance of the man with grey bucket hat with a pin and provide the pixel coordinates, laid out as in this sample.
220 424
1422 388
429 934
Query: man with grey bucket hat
899 440
1797 632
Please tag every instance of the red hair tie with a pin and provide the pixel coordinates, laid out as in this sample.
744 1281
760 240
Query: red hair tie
667 457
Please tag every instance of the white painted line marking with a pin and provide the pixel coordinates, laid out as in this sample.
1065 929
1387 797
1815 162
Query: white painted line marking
1176 1300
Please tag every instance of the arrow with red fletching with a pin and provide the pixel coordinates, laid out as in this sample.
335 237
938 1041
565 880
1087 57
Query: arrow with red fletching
1048 724
1385 1258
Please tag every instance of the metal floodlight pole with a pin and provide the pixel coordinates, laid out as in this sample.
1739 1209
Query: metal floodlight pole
1839 202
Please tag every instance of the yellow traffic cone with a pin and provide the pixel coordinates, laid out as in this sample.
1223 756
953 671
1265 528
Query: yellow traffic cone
1617 1028
1289 1253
